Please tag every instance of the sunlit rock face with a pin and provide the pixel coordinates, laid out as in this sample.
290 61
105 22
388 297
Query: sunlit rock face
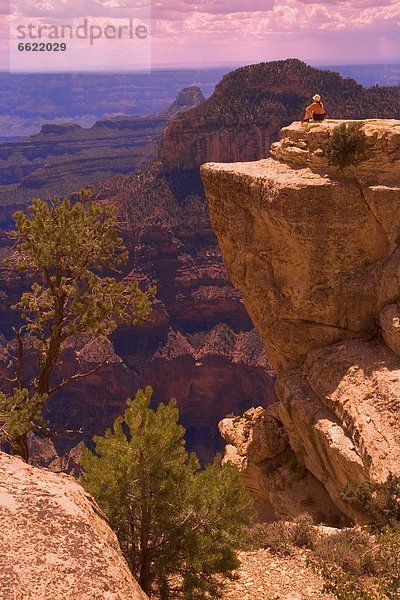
314 253
54 541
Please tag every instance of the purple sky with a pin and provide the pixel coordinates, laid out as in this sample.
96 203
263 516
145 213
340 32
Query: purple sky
261 30
207 32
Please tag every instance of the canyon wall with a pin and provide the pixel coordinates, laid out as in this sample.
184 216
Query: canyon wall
64 157
314 252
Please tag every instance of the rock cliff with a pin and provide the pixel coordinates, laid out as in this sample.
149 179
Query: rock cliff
249 106
54 541
315 254
64 157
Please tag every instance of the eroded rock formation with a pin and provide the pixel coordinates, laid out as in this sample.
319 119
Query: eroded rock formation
199 345
314 252
64 157
54 541
250 105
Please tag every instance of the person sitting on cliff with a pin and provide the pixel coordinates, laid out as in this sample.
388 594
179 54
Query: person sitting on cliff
315 111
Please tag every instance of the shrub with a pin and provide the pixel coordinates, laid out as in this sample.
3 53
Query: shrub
357 565
347 145
304 533
389 542
275 536
282 537
380 500
360 565
348 550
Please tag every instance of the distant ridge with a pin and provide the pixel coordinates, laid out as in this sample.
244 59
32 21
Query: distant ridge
251 104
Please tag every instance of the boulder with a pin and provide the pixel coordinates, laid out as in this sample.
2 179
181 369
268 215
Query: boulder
55 543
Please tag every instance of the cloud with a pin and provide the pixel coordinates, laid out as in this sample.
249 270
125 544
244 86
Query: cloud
243 30
78 8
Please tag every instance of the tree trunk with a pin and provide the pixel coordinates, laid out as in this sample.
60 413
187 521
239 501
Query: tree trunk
146 576
19 447
53 352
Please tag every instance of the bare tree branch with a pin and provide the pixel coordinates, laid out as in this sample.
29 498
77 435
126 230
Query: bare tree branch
66 382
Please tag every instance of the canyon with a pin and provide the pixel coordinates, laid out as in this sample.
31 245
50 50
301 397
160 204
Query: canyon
314 256
200 344
314 252
63 157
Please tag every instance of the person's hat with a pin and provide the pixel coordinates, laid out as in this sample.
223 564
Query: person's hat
317 97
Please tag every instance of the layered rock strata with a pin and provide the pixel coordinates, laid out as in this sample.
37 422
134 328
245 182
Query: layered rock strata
314 252
54 541
65 156
199 345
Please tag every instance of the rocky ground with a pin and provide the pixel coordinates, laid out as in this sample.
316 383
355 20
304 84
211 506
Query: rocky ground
267 576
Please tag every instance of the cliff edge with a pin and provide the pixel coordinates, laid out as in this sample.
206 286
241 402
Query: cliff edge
54 543
315 254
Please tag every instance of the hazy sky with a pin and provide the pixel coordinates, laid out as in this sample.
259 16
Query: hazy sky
258 30
206 32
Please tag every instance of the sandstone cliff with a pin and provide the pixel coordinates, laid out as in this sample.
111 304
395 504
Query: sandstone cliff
249 106
54 542
315 255
64 157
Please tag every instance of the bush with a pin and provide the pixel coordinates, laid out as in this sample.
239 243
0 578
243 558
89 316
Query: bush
389 542
304 533
347 561
365 564
275 536
347 145
282 537
380 500
348 550
357 565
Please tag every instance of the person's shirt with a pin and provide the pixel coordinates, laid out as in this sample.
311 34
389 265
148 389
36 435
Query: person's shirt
317 108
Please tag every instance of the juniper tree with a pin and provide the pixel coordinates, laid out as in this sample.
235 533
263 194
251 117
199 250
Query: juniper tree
178 526
347 145
65 247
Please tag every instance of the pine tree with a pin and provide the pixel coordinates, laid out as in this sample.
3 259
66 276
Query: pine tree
178 526
64 247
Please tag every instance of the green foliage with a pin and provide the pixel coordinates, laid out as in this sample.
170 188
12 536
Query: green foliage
258 94
347 145
357 565
389 543
360 564
178 526
18 412
65 247
380 500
